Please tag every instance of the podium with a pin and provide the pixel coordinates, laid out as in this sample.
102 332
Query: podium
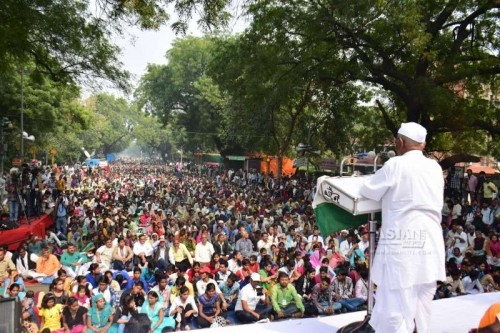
343 193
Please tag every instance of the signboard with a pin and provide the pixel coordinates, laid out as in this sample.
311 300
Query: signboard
299 162
328 164
236 158
17 162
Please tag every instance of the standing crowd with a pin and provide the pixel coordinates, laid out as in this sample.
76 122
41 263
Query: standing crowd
198 248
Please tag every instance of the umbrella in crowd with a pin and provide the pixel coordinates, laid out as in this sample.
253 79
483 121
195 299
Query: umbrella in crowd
458 158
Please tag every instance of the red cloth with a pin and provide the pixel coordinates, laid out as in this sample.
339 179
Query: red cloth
12 238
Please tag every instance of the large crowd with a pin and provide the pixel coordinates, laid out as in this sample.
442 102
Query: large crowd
196 247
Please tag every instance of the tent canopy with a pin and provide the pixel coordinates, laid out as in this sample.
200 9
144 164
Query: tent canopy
477 168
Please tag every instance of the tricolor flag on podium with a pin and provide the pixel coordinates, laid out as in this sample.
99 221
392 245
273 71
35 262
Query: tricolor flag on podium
338 204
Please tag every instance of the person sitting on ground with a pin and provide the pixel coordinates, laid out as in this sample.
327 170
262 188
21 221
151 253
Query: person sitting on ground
137 276
71 260
162 288
143 251
206 280
361 287
122 256
472 284
23 262
456 254
103 289
305 283
208 306
155 310
14 278
46 267
178 254
322 299
137 292
285 300
184 309
124 312
290 270
267 276
13 291
74 316
50 314
244 272
455 283
139 323
223 272
342 287
94 275
230 290
104 254
491 281
253 302
100 315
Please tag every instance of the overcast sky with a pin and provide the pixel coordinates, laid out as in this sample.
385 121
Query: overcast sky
140 48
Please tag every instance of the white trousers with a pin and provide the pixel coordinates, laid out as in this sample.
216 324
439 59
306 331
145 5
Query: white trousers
398 310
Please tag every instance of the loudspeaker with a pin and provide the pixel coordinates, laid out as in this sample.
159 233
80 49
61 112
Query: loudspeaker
10 315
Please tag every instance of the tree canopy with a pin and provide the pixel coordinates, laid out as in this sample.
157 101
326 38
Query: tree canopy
331 73
433 62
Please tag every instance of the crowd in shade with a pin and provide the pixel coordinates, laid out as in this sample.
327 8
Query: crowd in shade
182 248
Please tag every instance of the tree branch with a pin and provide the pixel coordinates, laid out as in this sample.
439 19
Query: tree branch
388 121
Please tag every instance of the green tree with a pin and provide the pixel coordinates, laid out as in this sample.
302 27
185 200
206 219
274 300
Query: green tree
434 62
61 38
113 123
182 95
152 137
50 109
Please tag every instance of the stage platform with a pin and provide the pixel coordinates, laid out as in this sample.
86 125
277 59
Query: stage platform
452 315
12 238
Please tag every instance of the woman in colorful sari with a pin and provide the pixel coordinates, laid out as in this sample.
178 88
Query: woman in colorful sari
153 307
100 316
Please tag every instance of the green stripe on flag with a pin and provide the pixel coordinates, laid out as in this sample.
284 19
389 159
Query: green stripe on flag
331 218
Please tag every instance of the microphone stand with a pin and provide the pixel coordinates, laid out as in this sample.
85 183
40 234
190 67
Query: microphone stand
364 326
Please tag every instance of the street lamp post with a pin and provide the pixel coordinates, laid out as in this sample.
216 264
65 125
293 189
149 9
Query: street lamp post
180 152
22 115
26 136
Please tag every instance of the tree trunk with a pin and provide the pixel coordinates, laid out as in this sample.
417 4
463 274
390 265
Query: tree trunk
279 171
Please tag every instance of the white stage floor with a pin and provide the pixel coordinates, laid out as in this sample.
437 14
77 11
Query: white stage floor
452 315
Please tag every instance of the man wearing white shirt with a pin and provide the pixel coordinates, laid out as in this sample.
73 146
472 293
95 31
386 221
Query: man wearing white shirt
346 247
316 234
203 251
410 188
253 302
365 241
104 254
461 239
471 283
487 215
143 251
264 242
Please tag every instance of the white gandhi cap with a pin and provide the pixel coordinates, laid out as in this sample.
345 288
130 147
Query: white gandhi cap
413 131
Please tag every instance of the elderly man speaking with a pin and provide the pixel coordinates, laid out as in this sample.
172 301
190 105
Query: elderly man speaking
410 254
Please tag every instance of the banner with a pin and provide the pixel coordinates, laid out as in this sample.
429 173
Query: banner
331 218
338 204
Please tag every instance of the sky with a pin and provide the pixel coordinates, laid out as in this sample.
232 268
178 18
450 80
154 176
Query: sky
140 48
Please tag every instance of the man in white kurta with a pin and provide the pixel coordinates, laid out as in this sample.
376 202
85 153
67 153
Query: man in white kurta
410 255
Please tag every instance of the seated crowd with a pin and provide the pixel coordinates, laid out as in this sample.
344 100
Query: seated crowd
201 249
